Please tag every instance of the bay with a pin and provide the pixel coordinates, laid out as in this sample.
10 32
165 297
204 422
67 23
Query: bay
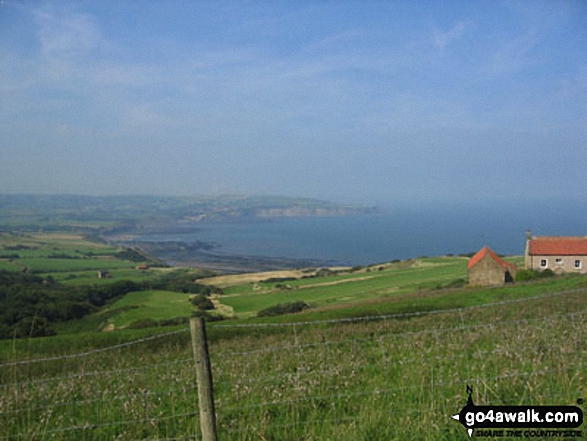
398 232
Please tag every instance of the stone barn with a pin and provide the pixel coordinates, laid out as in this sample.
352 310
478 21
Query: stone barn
104 275
487 268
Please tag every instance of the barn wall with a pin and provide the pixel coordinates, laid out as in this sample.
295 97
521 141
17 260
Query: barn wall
487 272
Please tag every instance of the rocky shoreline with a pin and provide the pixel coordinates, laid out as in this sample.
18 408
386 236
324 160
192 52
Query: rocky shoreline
206 255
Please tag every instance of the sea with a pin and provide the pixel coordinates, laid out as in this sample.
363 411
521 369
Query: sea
396 232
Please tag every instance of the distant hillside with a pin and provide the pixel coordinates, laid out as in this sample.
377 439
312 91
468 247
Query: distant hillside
108 214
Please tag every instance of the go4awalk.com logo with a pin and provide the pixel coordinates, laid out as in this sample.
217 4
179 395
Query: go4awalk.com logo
512 421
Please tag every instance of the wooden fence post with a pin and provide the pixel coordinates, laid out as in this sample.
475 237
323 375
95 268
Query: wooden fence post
204 378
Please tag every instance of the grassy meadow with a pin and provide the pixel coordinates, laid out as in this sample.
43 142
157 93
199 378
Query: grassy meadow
383 379
157 305
386 281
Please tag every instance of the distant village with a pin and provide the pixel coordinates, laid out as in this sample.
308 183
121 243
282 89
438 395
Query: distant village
558 254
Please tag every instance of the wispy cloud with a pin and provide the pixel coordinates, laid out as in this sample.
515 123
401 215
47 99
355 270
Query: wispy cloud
523 47
64 33
337 39
514 55
575 84
442 38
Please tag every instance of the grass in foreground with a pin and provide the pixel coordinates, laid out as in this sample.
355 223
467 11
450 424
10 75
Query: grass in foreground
394 379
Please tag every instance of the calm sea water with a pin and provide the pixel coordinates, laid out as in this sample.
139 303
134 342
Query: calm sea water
398 233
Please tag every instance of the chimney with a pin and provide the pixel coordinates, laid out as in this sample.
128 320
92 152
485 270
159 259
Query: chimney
527 259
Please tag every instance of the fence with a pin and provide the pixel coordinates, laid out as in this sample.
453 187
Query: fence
388 377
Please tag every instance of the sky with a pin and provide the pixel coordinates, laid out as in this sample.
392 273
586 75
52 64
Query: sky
356 101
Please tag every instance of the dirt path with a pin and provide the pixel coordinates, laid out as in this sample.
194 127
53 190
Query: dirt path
241 279
225 310
336 282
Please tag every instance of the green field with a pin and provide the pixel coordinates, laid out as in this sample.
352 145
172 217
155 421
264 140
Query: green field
60 254
133 307
90 277
394 378
69 258
357 287
156 305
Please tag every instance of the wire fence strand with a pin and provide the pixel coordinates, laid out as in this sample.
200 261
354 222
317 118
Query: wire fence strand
93 351
81 375
94 426
454 382
459 328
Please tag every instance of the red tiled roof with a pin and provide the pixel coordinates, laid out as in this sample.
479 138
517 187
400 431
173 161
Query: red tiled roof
557 245
486 250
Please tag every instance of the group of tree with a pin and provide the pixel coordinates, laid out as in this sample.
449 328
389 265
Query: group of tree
31 304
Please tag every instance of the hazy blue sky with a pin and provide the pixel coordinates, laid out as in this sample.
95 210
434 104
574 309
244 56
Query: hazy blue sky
350 101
